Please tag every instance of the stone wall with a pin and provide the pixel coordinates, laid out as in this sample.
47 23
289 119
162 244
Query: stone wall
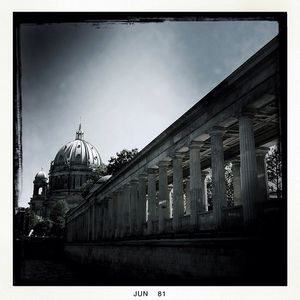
215 260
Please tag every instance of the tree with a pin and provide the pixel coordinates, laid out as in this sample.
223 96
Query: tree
42 228
115 164
57 214
98 172
274 169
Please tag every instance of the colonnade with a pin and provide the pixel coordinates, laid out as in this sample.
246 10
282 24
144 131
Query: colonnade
122 213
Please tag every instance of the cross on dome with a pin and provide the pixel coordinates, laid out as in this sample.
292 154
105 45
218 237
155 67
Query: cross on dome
79 133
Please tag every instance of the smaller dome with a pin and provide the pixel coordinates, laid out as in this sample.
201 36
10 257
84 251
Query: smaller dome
41 175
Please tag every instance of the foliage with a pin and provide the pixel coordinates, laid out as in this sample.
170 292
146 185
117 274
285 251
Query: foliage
228 185
98 172
115 164
33 218
209 192
274 169
85 189
42 228
57 214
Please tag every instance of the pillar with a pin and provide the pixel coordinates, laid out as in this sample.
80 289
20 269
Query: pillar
120 218
262 177
104 218
110 216
195 181
97 220
218 174
163 195
248 167
93 222
152 213
114 213
133 205
170 202
187 197
141 208
236 182
126 209
178 209
204 205
88 223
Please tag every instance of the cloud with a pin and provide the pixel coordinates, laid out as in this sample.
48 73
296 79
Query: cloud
127 82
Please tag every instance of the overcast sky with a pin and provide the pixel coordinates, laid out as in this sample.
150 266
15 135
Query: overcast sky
127 82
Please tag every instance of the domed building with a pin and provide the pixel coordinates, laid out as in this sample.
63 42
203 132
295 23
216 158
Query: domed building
72 166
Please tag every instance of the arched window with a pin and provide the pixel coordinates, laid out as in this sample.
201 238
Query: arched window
40 191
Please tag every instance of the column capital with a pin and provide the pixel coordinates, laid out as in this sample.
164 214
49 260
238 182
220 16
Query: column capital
143 176
178 154
196 144
248 112
120 189
152 170
134 181
164 163
126 185
217 130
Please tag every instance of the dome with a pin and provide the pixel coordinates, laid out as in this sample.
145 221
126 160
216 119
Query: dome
78 152
41 175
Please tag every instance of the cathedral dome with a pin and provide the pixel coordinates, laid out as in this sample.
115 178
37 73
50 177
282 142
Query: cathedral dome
78 152
41 175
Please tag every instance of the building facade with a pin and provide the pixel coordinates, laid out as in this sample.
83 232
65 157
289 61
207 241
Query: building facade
72 166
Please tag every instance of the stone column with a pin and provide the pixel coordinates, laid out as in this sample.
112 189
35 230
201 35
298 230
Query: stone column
262 177
104 214
187 197
93 222
88 223
236 182
133 205
114 213
152 213
97 220
141 208
170 202
126 210
218 174
100 208
195 180
110 216
248 167
178 209
120 212
204 205
163 195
